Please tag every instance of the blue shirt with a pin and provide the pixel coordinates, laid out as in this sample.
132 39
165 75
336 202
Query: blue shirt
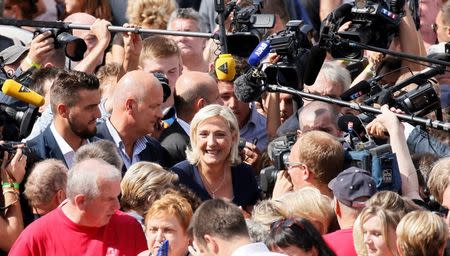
256 129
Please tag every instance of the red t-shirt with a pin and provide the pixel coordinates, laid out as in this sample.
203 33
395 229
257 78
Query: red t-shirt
341 242
55 234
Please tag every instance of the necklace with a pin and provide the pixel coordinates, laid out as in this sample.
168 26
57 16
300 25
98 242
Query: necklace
209 187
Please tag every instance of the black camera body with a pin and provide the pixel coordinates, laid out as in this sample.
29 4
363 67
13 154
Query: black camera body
373 22
247 26
74 47
279 150
420 101
11 148
293 46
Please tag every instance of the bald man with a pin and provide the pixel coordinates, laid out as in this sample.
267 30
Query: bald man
136 112
193 91
318 116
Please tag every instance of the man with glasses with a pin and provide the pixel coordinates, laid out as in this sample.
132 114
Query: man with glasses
316 158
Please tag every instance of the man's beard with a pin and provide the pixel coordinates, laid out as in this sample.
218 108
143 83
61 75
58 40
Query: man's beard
82 132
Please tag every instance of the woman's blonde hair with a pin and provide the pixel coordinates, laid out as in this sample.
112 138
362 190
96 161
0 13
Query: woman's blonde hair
210 111
141 183
152 13
310 204
171 205
387 219
421 233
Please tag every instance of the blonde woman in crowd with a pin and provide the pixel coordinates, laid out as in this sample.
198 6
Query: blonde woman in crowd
421 233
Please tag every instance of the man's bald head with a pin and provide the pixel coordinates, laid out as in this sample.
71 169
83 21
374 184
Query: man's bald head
194 90
136 85
320 116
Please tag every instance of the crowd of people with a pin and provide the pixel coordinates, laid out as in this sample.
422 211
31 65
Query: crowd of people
140 148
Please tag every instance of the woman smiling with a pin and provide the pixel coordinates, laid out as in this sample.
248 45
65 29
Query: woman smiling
214 168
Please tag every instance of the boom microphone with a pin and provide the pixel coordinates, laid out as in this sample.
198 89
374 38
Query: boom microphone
259 53
360 89
316 59
341 12
246 87
21 92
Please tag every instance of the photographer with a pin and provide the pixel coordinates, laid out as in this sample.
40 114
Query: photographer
11 222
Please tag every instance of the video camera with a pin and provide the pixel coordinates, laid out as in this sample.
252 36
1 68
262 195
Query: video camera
74 47
278 150
292 46
373 22
247 27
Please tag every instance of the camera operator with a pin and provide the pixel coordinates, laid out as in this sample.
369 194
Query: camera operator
11 221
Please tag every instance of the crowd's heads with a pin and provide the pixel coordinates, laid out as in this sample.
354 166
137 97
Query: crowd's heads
195 90
212 113
378 228
332 80
168 219
161 54
19 9
442 24
142 182
217 219
45 188
320 116
74 97
151 13
353 187
439 181
102 149
319 158
310 204
93 187
296 236
137 102
97 8
421 233
84 18
187 19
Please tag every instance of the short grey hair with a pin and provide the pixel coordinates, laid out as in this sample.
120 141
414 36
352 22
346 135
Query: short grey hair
45 180
188 14
86 176
103 149
336 73
213 110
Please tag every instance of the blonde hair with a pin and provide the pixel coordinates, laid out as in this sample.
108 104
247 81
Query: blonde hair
210 111
153 13
157 47
387 219
171 205
142 182
439 178
421 233
310 204
267 212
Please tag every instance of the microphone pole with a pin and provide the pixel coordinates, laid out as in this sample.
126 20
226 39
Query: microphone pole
68 25
362 108
220 9
396 54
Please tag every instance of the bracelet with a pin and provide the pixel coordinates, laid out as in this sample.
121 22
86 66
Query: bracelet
31 63
10 185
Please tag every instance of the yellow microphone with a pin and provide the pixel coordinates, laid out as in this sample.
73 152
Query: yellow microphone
21 92
225 67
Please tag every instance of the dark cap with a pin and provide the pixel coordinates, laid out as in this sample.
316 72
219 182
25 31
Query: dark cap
351 184
13 53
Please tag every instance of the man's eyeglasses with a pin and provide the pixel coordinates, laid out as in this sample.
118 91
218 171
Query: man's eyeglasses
290 165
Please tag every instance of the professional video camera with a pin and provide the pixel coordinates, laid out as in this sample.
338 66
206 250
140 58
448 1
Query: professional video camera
292 46
74 47
373 22
278 150
247 27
